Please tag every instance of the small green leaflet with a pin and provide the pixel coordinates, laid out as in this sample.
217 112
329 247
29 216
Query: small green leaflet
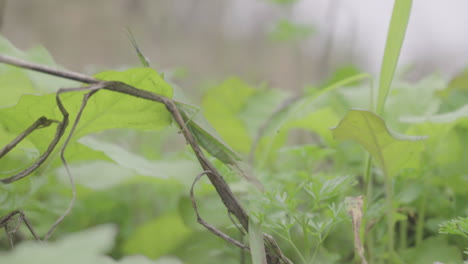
392 151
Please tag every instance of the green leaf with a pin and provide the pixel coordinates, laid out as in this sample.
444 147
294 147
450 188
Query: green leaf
88 246
395 37
105 110
319 122
14 83
257 248
206 135
158 237
456 226
298 111
42 83
222 105
432 250
96 174
343 73
459 82
445 118
392 152
140 165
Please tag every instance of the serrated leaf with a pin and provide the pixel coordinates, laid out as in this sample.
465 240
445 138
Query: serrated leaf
456 226
392 152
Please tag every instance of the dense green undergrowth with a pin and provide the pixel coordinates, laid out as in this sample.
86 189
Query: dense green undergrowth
133 170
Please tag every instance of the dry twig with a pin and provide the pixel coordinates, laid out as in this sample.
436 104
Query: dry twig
227 196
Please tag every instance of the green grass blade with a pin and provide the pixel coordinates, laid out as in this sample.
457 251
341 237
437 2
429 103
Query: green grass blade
395 37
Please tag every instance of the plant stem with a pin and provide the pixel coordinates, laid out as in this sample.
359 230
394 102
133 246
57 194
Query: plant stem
368 238
403 234
420 221
390 222
298 252
316 250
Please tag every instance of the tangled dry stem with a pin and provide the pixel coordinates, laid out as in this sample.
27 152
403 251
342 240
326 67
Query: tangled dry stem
274 254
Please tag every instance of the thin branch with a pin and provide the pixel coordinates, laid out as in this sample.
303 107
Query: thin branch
40 123
222 188
58 135
93 88
9 217
49 70
271 242
211 228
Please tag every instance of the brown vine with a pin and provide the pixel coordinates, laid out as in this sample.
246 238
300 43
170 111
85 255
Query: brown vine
273 252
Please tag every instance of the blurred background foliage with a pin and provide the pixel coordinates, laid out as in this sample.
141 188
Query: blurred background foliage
240 61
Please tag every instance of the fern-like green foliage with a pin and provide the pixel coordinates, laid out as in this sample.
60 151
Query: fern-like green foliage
455 226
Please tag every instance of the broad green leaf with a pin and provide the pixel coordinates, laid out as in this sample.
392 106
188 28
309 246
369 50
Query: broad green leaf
392 152
96 174
297 110
105 110
205 135
259 107
257 247
401 100
342 73
140 165
41 83
455 94
88 246
137 112
158 237
222 106
14 83
319 122
433 250
458 115
446 126
396 34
